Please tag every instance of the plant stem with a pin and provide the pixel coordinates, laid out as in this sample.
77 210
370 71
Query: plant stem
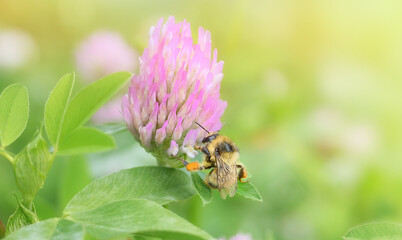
2 230
7 155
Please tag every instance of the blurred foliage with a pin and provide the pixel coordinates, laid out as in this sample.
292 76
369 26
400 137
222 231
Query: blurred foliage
313 91
378 230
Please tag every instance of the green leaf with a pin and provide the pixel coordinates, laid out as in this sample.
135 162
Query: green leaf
113 220
90 99
159 184
247 190
86 140
74 177
375 231
123 218
203 190
22 217
54 228
109 208
56 107
31 167
140 237
14 111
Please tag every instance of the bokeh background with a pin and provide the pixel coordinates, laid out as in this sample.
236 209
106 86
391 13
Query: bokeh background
314 97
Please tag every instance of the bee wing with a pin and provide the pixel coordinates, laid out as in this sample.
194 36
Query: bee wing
232 190
226 177
223 193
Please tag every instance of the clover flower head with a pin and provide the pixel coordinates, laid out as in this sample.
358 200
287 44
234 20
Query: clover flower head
178 84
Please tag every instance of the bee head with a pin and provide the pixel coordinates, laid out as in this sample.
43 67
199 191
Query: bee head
210 137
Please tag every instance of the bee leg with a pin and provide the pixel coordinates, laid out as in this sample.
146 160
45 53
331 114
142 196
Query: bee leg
196 166
207 163
242 173
185 163
193 166
211 179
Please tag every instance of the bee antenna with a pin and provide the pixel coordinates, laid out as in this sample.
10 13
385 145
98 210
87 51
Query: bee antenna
202 127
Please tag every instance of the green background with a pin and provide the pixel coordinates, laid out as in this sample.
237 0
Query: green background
314 104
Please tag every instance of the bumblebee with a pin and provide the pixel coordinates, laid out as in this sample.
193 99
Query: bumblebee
222 156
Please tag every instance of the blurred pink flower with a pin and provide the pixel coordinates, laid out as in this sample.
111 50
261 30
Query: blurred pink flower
100 54
103 53
109 113
178 84
239 236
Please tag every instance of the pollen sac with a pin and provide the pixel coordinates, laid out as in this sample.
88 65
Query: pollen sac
177 85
